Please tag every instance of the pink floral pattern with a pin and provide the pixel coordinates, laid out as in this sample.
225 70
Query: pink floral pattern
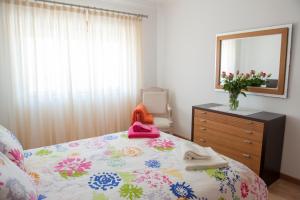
11 147
244 189
161 144
32 196
73 167
1 183
259 189
74 144
17 157
96 144
154 179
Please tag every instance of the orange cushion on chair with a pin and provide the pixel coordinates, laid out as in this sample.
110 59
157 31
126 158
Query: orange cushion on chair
141 114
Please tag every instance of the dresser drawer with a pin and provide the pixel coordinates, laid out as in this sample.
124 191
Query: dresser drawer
233 121
239 144
248 139
251 161
229 129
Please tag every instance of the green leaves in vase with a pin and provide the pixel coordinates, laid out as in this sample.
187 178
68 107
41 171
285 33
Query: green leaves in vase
238 83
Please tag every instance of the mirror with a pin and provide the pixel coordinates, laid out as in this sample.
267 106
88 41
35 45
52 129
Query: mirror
264 50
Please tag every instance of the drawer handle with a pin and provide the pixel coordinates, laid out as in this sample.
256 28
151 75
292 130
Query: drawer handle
203 120
246 156
250 123
203 129
247 141
204 113
202 140
249 132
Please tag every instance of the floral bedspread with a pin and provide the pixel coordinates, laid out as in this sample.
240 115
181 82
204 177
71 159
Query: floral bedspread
115 167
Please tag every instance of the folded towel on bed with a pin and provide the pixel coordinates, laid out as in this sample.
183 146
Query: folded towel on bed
191 155
207 158
141 114
154 133
194 152
139 127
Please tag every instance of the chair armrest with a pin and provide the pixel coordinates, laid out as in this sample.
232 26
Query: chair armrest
169 109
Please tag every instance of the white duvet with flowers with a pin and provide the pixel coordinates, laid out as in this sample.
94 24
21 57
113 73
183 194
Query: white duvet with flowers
115 167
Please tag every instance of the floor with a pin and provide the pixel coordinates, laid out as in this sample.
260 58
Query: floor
284 190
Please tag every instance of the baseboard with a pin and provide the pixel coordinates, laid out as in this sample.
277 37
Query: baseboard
290 178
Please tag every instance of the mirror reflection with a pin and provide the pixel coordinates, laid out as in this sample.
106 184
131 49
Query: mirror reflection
260 53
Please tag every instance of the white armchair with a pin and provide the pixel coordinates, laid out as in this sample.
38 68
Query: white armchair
156 101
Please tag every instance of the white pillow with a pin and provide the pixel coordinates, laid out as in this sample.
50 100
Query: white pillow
15 184
11 147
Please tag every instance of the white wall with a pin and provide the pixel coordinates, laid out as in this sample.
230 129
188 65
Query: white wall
186 56
148 42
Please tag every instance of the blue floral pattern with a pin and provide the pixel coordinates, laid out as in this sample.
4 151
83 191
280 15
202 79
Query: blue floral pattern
41 197
231 178
110 137
182 190
60 148
116 162
27 154
104 181
13 136
152 163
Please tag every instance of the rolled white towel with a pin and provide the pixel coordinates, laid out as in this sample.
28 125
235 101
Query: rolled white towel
215 161
194 152
191 155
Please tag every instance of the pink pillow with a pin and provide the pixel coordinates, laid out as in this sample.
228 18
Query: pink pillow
11 147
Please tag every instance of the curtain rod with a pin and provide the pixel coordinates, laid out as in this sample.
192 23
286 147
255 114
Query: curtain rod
93 8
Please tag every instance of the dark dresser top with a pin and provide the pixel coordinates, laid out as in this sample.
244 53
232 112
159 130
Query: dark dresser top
261 116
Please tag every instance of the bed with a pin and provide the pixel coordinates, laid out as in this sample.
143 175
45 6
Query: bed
115 167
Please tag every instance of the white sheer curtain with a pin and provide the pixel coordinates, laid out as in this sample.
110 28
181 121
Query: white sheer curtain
75 73
229 59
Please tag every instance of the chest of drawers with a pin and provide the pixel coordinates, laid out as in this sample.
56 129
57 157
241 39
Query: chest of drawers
255 140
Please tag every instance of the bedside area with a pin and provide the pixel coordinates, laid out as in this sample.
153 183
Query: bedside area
254 138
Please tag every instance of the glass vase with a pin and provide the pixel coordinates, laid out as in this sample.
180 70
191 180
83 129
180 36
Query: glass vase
233 101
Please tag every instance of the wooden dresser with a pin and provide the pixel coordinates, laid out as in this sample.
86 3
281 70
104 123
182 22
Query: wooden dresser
255 140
